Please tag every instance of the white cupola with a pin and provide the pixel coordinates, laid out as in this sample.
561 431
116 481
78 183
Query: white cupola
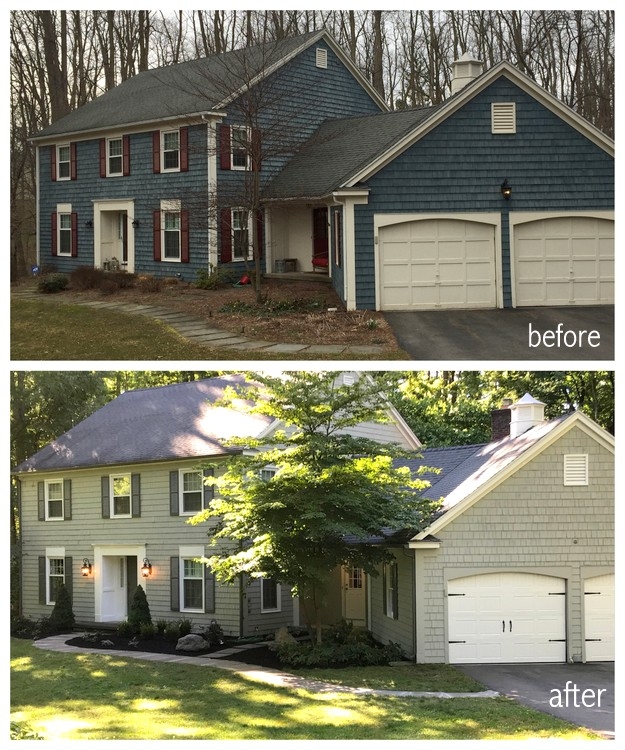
465 70
526 413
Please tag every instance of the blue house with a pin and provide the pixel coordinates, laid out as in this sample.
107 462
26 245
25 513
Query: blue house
501 196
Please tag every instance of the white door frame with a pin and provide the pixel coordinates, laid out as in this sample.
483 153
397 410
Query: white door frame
113 550
120 206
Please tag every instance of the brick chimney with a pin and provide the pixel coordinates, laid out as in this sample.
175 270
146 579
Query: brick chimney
500 420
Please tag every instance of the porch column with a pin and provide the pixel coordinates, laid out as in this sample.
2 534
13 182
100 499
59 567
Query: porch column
348 201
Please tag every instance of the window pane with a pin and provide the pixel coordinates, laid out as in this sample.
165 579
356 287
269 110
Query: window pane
192 593
55 491
239 147
65 242
63 153
193 569
115 147
64 158
65 221
172 220
192 492
270 594
171 146
170 141
121 496
172 245
57 566
55 509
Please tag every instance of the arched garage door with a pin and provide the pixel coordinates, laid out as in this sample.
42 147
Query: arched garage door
564 261
599 618
506 617
432 264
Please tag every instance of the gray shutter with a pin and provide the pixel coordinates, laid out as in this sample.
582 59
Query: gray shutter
69 578
67 499
209 590
106 498
41 501
174 494
384 607
174 583
42 580
135 493
209 490
395 574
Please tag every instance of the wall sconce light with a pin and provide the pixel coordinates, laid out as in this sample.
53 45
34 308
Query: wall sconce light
86 568
146 568
135 223
89 224
506 189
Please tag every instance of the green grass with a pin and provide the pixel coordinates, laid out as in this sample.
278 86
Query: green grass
98 696
47 330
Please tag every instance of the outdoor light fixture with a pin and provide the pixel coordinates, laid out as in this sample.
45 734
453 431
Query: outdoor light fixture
506 189
86 567
89 224
146 568
135 222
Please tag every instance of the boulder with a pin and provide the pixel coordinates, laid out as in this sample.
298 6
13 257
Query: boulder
283 636
191 643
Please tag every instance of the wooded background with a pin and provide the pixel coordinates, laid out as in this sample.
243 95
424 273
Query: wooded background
62 59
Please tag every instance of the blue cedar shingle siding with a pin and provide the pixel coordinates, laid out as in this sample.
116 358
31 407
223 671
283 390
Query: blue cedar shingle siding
460 165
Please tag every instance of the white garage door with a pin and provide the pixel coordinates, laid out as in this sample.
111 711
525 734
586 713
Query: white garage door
437 263
564 261
506 617
599 618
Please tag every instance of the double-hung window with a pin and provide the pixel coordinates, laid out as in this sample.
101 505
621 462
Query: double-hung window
391 591
171 235
54 500
171 150
191 491
121 496
64 233
269 595
63 165
241 235
115 155
192 585
55 577
240 148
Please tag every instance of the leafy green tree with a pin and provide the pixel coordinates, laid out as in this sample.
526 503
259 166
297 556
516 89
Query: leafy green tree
331 496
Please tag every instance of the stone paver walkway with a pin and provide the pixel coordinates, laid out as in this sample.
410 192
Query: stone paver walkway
259 674
200 332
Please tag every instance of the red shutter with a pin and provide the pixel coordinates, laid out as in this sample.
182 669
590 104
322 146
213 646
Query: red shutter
184 149
73 171
53 163
224 146
54 238
156 151
126 155
225 225
102 157
256 150
74 221
157 235
184 236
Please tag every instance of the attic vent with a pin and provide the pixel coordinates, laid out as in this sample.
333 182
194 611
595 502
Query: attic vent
321 57
348 378
576 469
503 117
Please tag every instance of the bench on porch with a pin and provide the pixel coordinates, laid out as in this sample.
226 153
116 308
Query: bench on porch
320 263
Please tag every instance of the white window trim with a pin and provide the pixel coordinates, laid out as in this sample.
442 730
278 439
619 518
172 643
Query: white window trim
278 607
163 133
109 157
576 470
250 235
190 553
59 146
47 483
248 156
181 493
112 478
171 206
63 209
53 553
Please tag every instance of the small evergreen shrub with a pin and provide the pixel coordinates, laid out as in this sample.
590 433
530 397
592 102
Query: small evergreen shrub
161 626
125 629
53 283
185 626
147 631
139 610
214 634
355 654
23 627
62 617
213 278
172 631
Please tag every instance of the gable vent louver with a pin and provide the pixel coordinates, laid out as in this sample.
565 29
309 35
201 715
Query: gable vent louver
503 117
576 470
321 57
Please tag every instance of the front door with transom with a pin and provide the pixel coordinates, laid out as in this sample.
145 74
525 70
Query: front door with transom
354 596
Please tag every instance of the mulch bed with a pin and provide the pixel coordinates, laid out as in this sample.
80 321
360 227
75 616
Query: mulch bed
152 646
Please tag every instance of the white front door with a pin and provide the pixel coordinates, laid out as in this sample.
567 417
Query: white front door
505 618
114 235
114 589
354 598
599 618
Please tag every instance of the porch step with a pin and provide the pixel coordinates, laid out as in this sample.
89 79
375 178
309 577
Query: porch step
323 278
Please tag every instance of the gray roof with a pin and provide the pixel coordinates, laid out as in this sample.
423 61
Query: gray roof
153 424
339 149
177 90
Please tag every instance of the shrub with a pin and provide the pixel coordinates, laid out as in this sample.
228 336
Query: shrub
161 626
214 634
213 278
123 279
185 626
147 631
23 627
53 283
62 617
149 284
355 654
172 631
20 730
139 609
86 277
125 628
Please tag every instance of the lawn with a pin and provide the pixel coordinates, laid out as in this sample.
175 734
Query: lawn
46 330
98 696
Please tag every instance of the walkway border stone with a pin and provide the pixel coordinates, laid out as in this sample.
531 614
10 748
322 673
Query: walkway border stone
198 331
273 677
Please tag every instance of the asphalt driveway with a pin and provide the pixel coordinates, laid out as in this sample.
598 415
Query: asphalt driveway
528 333
568 691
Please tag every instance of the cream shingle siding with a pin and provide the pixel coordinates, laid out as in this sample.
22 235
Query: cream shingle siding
530 523
385 628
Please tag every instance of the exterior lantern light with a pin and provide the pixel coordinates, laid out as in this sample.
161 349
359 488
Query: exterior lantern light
86 568
506 189
146 568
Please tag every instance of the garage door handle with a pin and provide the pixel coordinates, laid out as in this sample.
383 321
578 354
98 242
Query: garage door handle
503 626
510 625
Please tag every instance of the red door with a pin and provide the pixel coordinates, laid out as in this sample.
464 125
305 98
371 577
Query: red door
320 233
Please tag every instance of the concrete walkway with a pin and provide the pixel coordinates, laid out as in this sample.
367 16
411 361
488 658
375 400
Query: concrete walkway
272 677
198 331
